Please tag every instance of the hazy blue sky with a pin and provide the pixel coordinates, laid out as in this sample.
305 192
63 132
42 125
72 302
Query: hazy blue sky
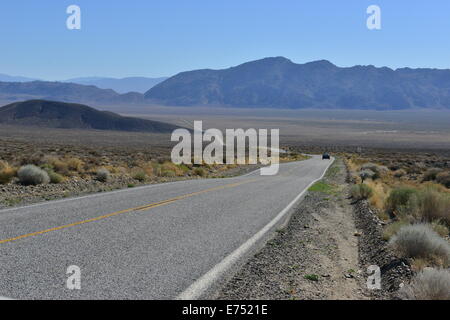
163 37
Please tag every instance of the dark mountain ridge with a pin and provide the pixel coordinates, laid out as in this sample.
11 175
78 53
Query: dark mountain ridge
55 114
280 83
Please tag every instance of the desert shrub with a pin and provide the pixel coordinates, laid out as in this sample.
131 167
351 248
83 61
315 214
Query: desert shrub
377 170
168 173
370 166
148 169
55 177
391 229
443 178
399 173
430 284
361 191
184 168
431 174
75 164
169 166
32 175
157 169
420 241
431 205
57 165
398 199
199 172
7 173
366 174
139 175
103 175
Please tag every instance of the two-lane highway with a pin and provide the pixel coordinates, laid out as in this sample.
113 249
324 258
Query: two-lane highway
152 242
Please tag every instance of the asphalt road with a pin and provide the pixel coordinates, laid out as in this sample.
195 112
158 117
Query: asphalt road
150 242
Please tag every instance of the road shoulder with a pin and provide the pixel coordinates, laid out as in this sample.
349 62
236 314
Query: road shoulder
314 257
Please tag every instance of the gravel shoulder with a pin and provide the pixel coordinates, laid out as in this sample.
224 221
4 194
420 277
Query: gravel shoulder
315 256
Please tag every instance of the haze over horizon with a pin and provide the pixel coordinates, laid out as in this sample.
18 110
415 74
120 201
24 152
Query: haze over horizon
164 38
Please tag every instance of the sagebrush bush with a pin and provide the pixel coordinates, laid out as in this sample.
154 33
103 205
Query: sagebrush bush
361 191
32 175
420 241
366 174
429 284
398 199
103 175
370 166
443 178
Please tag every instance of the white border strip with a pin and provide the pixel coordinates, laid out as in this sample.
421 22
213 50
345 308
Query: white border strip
3 298
201 285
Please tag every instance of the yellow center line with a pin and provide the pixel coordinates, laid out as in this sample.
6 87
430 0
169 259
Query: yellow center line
141 208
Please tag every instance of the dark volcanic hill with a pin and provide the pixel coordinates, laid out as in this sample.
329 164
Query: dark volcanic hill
74 116
67 92
280 83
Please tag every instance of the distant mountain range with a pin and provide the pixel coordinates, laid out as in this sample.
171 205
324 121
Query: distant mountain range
267 83
124 85
75 116
65 92
280 83
8 78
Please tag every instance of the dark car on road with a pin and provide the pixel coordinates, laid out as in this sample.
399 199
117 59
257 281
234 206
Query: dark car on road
326 156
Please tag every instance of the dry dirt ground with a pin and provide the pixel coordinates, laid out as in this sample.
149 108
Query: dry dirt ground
314 257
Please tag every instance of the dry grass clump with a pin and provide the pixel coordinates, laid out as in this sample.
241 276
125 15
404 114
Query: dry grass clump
55 177
172 169
199 172
7 173
430 284
392 229
430 205
380 194
443 178
361 191
32 175
420 241
74 164
139 175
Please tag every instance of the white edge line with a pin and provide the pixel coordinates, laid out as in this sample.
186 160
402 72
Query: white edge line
201 285
4 298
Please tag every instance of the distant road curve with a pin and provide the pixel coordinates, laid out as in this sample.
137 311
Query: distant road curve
165 241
